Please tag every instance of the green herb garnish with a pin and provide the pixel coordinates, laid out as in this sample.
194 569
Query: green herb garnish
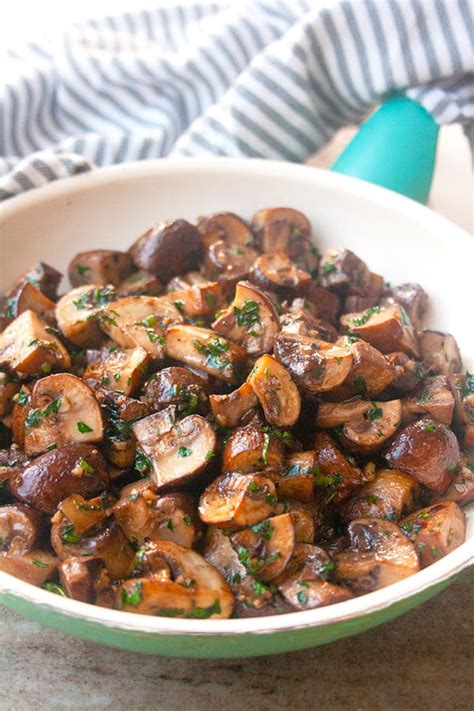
83 428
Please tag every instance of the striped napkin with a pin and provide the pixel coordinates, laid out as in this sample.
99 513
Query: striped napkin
267 78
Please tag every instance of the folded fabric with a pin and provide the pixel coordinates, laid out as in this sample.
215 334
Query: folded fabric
267 78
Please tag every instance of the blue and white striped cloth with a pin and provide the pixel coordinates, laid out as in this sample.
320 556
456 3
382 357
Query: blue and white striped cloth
267 78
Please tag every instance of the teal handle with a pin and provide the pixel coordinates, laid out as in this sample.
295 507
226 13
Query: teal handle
395 148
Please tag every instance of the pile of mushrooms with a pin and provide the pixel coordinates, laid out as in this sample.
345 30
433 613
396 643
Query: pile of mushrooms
223 422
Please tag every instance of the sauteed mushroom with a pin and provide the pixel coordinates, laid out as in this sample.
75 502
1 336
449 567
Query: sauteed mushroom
228 262
226 226
234 409
276 392
344 271
78 313
388 496
101 267
236 500
168 249
251 449
387 328
78 577
433 398
120 370
414 300
27 297
140 283
265 548
274 271
435 530
204 349
440 352
176 386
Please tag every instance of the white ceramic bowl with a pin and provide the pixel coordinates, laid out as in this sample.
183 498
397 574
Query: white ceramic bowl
397 237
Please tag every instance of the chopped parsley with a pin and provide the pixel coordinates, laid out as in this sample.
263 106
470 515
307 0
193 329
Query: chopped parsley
184 452
187 520
263 459
248 315
68 535
170 525
366 316
264 529
22 398
328 268
203 613
82 269
214 351
429 428
85 466
95 297
134 597
54 588
142 463
36 416
360 385
39 563
375 412
302 597
210 454
83 428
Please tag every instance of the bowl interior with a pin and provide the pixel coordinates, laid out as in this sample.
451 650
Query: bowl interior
396 237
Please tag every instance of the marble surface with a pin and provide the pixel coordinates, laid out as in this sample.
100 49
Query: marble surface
420 662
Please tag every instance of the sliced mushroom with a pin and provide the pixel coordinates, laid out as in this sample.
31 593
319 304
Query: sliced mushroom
100 266
141 321
196 591
78 312
371 371
342 270
304 519
8 390
55 475
316 366
34 566
250 320
106 541
145 516
219 553
276 392
78 577
408 372
428 451
252 449
122 370
333 414
367 433
299 321
28 297
435 530
265 548
282 228
228 263
433 398
226 226
45 277
176 386
64 410
414 300
28 348
181 282
85 514
337 475
179 453
236 408
380 554
325 303
199 300
21 529
462 488
296 479
304 584
462 387
274 271
20 412
387 328
388 496
168 249
204 349
140 283
236 500
440 352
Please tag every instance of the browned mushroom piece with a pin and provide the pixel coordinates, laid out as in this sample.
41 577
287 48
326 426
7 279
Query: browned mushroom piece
141 321
252 449
145 516
435 530
178 452
106 541
428 451
11 462
295 480
305 582
236 408
300 321
304 517
8 390
337 475
78 313
29 349
462 488
34 567
388 496
276 391
225 226
462 387
121 370
227 262
140 283
196 589
235 500
21 529
286 229
325 304
250 320
367 433
45 277
64 410
408 372
387 328
204 349
176 386
28 297
413 298
198 300
314 365
169 248
433 398
333 414
265 548
78 577
371 372
274 271
440 352
181 282
342 270
55 475
100 267
374 292
380 554
218 551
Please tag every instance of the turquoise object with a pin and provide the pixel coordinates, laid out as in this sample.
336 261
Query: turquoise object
394 148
